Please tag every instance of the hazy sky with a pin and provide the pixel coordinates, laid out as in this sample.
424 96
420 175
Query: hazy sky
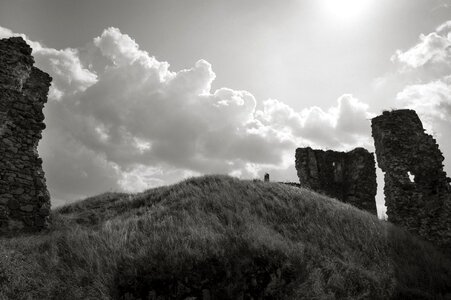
148 92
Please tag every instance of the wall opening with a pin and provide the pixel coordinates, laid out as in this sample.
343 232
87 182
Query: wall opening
411 177
380 196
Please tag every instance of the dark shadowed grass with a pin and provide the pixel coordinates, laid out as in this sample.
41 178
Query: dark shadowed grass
233 238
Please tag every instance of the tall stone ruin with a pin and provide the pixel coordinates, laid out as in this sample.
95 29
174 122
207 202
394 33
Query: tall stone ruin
347 176
24 199
417 191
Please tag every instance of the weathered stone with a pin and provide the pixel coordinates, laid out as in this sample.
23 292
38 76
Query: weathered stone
27 208
417 191
23 93
347 176
18 191
206 294
28 220
14 225
16 62
41 221
44 210
13 204
152 295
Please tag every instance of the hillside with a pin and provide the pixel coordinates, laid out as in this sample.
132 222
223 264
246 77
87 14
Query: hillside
217 237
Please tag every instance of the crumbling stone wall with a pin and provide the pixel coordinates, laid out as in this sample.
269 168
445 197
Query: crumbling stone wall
24 199
347 176
417 191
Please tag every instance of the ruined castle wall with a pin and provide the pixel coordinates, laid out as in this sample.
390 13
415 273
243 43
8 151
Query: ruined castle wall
417 191
24 199
347 176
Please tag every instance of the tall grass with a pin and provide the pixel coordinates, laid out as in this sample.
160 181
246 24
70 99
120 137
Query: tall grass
223 237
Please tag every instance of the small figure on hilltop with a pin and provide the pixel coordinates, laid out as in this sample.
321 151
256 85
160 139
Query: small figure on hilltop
266 179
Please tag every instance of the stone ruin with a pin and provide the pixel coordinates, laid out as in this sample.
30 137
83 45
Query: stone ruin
417 191
347 176
24 199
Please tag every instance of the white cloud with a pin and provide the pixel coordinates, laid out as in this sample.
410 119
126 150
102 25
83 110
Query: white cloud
344 126
421 81
433 49
134 123
432 101
68 73
444 28
74 171
429 89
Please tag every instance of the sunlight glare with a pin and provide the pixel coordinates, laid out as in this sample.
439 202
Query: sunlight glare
347 9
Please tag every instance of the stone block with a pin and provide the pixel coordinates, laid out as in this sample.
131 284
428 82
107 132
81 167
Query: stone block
27 208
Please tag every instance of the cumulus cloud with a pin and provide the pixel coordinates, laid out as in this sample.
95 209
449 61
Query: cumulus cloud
423 77
69 74
432 53
133 123
444 28
433 48
343 126
349 123
420 80
429 92
432 101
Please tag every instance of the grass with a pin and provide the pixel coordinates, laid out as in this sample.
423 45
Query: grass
222 238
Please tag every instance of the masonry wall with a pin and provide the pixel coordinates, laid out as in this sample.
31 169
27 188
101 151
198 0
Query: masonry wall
24 199
417 191
347 176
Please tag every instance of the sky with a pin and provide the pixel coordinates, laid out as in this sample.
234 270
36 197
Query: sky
147 93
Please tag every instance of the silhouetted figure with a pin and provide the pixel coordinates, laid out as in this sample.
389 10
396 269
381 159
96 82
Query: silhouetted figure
266 177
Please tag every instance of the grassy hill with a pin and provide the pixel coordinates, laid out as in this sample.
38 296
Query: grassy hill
217 237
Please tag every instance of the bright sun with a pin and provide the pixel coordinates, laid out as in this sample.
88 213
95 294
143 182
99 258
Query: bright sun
347 9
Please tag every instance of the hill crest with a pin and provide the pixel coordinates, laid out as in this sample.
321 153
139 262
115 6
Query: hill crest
217 237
